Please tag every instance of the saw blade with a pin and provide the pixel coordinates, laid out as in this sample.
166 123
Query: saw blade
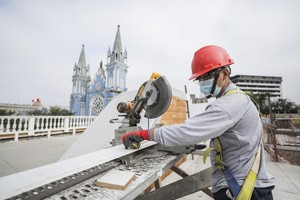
160 98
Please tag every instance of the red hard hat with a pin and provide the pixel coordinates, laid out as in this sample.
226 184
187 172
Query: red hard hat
209 58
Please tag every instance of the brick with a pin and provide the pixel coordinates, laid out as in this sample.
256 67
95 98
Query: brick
176 113
167 115
167 122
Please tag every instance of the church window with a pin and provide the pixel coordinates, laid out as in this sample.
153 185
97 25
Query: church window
97 105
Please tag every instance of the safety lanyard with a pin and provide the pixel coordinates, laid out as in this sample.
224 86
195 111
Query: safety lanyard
246 191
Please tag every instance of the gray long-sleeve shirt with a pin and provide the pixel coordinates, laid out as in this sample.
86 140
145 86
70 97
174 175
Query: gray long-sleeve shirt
235 120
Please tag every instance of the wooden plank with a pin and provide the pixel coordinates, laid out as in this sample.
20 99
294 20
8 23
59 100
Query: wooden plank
166 174
116 179
188 185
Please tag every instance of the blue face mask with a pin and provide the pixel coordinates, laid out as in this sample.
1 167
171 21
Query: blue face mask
205 88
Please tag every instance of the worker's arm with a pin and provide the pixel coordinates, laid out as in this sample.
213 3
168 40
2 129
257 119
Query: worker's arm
210 124
197 129
218 117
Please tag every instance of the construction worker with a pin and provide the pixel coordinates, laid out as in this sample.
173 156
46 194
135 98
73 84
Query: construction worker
233 124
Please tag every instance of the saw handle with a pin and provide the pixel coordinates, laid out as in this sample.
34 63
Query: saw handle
135 145
125 107
155 75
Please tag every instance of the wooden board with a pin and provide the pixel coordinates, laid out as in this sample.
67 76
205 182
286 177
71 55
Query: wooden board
166 174
116 179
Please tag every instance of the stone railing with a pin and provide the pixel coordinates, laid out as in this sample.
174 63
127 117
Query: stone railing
28 126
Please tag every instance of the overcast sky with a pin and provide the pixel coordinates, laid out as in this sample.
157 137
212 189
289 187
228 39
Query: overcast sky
40 41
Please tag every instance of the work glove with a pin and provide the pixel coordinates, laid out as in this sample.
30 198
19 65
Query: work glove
134 138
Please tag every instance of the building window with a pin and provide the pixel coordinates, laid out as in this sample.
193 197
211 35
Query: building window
97 105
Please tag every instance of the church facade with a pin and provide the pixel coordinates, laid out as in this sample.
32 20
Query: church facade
89 97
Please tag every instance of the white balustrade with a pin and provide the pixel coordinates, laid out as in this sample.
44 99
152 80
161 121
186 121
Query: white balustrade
42 125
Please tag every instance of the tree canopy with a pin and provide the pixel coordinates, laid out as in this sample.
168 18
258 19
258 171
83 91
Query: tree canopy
279 105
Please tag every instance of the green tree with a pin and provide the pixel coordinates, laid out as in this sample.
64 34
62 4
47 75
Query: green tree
6 113
37 112
284 106
58 111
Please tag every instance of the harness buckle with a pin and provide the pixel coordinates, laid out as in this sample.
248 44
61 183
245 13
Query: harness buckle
220 165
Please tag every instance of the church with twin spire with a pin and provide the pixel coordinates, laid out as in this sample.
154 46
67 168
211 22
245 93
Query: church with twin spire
89 97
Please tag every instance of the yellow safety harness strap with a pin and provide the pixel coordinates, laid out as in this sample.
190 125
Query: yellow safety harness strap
234 92
249 183
218 157
206 153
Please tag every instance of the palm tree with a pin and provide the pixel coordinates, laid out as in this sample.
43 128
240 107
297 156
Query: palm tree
284 106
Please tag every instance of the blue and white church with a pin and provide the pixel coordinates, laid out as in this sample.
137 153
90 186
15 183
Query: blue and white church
89 97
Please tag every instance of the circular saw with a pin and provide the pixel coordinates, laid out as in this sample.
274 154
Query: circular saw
154 96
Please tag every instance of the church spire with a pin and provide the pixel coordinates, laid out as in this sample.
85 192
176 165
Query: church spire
116 67
118 44
81 61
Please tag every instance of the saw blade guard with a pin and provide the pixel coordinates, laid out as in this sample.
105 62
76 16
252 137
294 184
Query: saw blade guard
160 98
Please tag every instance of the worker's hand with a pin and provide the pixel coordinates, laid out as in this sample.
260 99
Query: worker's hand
133 139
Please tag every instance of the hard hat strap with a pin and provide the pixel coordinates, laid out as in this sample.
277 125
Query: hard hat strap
217 75
214 85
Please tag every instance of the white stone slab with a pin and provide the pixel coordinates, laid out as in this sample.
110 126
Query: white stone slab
116 179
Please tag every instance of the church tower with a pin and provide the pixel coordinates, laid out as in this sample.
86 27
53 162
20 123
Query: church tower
90 97
116 68
96 98
81 81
